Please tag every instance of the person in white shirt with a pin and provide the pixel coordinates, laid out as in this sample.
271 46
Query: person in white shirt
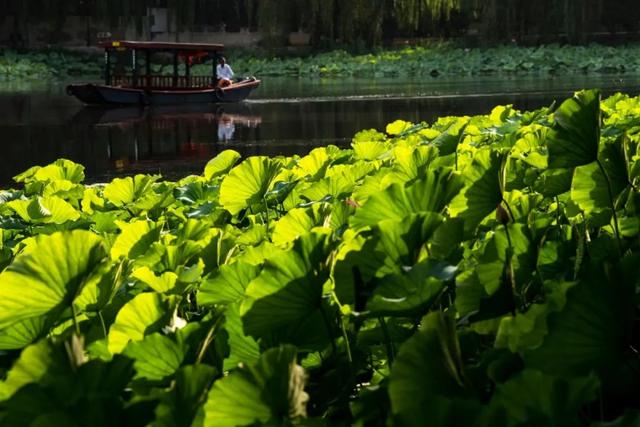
224 73
226 128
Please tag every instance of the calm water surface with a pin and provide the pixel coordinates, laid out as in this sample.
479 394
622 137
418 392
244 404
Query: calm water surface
40 123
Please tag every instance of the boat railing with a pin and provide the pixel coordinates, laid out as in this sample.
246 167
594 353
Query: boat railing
160 82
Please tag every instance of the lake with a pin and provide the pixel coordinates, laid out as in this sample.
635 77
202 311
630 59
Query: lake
39 123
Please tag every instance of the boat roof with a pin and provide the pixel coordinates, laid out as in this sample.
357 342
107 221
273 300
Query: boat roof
159 46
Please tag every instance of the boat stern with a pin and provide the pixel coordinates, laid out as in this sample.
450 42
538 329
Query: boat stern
238 91
87 93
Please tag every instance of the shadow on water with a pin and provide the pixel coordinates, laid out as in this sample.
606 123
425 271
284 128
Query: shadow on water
287 117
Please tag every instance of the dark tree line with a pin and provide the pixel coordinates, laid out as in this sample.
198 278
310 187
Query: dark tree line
349 22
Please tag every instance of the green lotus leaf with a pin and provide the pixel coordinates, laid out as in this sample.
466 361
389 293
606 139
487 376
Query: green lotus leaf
279 193
153 202
288 290
369 150
388 248
553 182
247 183
339 182
92 201
135 239
482 192
529 149
590 185
255 255
44 210
162 256
271 391
58 178
93 394
221 164
206 210
589 190
156 356
9 195
99 288
371 185
195 192
590 333
337 186
243 349
179 406
511 245
533 397
36 363
227 285
553 256
61 169
613 157
123 191
163 283
27 175
369 135
629 227
338 219
297 222
448 141
396 202
143 315
253 236
574 138
194 229
41 281
410 162
24 332
522 204
527 330
314 164
411 293
355 170
398 127
428 384
447 238
64 189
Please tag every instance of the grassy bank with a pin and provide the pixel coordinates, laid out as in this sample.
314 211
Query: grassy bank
475 271
442 60
48 65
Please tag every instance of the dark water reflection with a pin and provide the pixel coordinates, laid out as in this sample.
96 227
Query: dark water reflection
41 124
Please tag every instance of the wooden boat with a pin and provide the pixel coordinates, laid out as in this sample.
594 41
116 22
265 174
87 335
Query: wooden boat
140 86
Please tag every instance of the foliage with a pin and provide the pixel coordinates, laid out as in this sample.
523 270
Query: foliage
48 65
419 61
438 274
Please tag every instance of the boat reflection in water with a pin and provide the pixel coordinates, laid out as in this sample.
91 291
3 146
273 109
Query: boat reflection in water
172 140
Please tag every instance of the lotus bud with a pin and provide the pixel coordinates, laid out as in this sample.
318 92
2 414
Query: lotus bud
501 214
75 350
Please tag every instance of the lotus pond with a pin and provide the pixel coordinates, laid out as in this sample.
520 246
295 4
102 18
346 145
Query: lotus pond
442 59
471 271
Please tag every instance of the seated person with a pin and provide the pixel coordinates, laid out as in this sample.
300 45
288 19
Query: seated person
224 73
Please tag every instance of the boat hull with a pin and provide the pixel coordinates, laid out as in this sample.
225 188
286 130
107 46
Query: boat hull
114 95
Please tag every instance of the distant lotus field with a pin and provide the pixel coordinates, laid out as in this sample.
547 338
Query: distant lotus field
419 61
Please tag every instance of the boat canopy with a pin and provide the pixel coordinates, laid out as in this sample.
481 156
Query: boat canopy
138 76
162 46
